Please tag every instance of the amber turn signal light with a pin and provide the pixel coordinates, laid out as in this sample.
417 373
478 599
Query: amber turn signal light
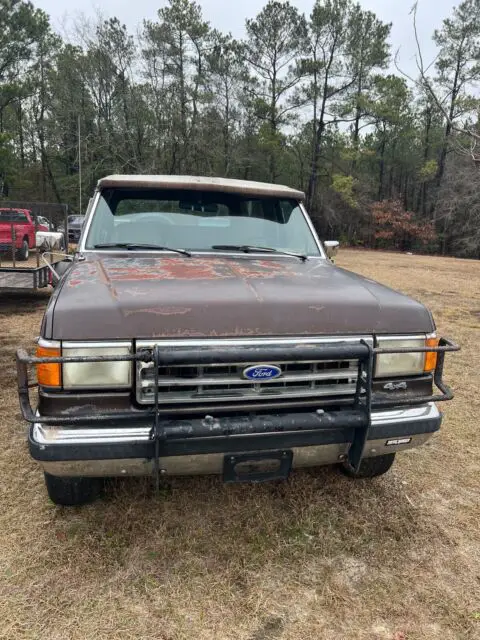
48 373
430 356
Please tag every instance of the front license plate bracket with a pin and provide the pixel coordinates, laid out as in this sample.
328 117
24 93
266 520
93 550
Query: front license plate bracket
257 467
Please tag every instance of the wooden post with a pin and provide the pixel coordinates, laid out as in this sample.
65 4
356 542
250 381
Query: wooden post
14 243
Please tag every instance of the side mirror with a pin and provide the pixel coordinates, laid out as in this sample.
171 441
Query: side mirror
331 248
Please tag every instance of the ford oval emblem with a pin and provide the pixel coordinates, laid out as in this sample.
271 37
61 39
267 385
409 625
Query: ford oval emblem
262 372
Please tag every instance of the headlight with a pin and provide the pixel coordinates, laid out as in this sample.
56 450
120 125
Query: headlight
389 365
87 375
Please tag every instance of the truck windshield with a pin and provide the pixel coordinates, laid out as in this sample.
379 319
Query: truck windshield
199 221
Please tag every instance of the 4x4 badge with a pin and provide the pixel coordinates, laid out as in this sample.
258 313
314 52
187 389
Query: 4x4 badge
395 386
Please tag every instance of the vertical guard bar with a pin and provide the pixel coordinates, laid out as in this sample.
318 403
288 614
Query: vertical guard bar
355 453
157 432
358 387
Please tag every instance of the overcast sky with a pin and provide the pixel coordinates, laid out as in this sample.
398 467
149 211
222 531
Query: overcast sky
230 15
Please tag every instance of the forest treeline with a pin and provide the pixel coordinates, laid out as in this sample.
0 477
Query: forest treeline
305 100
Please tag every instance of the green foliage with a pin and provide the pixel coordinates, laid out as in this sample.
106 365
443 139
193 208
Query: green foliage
344 186
6 153
428 171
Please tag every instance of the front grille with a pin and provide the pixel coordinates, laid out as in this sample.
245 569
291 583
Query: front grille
197 384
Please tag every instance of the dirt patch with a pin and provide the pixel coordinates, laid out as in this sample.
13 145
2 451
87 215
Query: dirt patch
397 558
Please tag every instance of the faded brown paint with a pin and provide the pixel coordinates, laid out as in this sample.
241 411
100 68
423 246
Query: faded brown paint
162 311
144 296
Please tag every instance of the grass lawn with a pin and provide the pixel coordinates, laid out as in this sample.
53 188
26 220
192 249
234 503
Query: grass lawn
318 558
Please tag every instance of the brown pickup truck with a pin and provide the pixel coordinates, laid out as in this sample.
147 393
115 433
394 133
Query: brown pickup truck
202 327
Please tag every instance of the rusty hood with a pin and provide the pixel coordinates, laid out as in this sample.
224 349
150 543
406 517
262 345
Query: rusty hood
108 296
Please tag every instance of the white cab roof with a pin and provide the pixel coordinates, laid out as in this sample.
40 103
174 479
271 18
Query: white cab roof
196 183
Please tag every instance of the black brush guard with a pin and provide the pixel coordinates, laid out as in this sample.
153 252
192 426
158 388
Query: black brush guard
357 416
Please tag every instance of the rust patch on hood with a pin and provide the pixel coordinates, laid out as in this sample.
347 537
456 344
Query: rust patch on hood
83 273
173 268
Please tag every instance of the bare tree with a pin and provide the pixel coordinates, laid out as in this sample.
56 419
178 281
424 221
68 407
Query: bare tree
458 65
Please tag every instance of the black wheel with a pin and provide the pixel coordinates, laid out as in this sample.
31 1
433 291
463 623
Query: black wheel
24 251
70 492
371 467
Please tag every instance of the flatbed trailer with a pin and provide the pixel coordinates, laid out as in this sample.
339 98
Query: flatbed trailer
29 278
34 273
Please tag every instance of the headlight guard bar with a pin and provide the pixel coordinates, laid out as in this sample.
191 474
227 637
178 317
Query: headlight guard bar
363 401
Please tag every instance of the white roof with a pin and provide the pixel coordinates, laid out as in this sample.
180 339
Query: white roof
196 183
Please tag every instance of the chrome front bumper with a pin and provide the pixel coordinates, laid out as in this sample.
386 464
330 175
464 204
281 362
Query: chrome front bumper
59 449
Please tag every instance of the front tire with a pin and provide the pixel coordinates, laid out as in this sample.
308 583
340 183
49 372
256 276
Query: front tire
24 252
371 467
71 492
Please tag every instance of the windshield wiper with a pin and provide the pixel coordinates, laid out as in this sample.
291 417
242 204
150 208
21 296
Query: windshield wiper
132 246
249 248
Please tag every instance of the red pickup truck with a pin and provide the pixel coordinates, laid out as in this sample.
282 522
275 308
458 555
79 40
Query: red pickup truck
23 223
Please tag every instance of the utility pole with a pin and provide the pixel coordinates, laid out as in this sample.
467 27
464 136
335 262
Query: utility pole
80 211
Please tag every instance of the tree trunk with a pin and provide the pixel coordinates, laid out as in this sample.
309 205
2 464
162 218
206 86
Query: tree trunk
312 184
448 130
381 167
193 139
405 191
356 124
20 133
426 153
183 105
226 131
443 156
41 130
273 124
391 172
318 128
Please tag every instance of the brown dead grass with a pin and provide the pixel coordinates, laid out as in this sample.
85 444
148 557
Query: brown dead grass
319 557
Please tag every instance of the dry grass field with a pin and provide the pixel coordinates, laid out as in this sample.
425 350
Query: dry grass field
320 557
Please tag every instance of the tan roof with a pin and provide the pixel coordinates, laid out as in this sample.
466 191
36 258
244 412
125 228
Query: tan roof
196 183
